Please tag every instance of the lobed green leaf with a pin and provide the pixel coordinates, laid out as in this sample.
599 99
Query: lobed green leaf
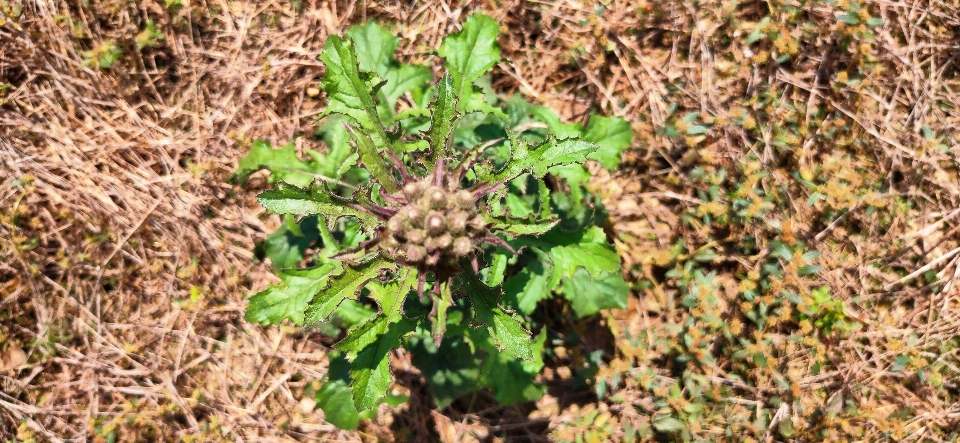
470 53
350 90
345 285
505 329
288 199
290 298
443 120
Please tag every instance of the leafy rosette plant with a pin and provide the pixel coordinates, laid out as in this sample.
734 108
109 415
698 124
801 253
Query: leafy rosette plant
430 206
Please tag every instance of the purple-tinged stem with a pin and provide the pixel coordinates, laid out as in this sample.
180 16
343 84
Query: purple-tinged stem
499 242
481 189
438 169
421 281
400 167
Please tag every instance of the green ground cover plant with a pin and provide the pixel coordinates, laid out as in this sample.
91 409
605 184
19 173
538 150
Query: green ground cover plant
438 219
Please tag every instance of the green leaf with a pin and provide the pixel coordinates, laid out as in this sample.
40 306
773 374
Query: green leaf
373 161
345 285
443 120
441 304
289 299
570 250
511 380
505 329
532 284
340 156
403 78
287 199
349 90
583 261
588 295
557 127
336 400
451 371
335 397
850 19
371 366
612 135
283 163
470 53
665 423
285 246
498 267
538 160
520 226
374 47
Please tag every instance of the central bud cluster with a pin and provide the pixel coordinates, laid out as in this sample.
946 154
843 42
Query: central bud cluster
433 227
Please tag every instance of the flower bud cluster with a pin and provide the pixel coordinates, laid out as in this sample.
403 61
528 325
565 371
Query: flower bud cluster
434 227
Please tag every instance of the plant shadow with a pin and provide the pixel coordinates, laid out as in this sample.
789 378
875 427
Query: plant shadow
567 378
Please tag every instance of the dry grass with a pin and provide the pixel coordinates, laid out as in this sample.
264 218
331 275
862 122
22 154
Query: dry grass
125 257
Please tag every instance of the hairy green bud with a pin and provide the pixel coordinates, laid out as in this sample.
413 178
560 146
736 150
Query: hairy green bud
416 236
435 224
457 222
465 200
443 241
395 224
415 253
436 198
462 246
413 190
477 223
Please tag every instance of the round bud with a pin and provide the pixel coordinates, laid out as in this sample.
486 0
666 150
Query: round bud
413 214
432 259
416 236
462 246
415 253
436 198
413 191
477 223
395 224
391 245
443 241
465 200
435 224
457 222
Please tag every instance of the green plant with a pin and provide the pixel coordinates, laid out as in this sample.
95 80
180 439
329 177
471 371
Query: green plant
103 56
438 214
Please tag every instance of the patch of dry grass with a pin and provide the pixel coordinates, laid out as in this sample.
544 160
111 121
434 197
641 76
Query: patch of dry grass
125 257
